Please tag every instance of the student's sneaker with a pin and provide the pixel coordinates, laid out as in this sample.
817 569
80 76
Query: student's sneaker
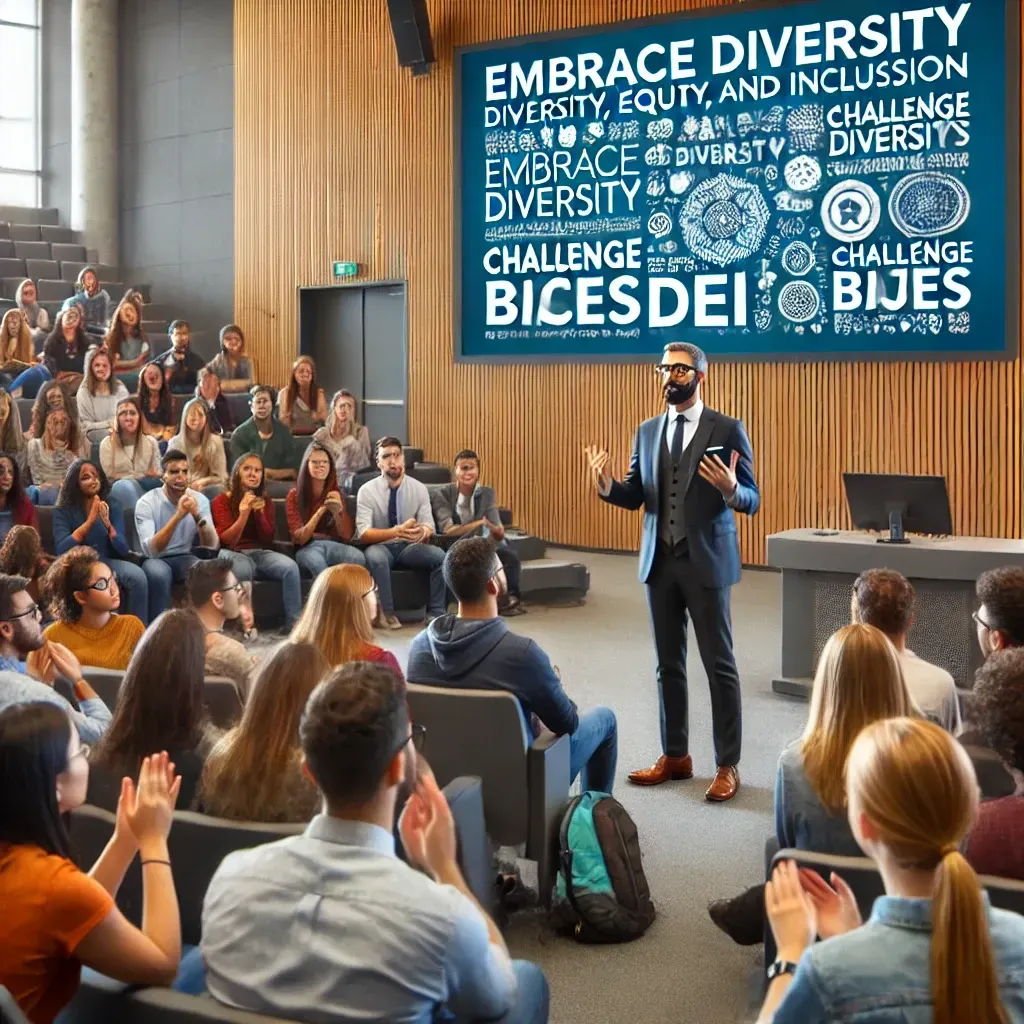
391 622
513 606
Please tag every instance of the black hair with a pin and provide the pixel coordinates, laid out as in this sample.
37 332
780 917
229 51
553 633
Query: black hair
16 495
388 441
205 578
231 329
175 325
466 453
1001 591
172 455
34 742
9 586
258 389
70 495
468 566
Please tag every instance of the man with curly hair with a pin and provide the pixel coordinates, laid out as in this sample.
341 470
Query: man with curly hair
1000 615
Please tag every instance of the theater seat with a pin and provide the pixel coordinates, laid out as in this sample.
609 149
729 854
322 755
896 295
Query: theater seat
100 999
10 1012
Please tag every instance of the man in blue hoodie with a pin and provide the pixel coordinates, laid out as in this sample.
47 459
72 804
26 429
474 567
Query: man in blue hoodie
475 650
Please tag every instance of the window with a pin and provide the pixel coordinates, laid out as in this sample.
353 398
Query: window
19 102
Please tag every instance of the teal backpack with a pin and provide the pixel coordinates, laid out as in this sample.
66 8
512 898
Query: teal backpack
601 893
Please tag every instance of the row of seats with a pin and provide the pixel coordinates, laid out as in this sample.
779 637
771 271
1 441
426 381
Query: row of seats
49 288
55 252
49 215
37 233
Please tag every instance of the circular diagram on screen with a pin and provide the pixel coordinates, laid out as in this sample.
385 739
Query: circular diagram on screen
929 203
799 301
802 173
850 210
797 258
724 220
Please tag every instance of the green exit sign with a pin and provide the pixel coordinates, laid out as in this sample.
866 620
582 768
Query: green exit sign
345 269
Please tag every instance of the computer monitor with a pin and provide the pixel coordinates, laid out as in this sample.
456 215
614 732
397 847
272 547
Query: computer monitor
897 503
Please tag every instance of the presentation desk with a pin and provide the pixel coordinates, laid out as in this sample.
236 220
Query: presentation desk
818 570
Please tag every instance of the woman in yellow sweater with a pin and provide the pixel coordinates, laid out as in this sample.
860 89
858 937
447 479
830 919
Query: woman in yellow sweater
83 597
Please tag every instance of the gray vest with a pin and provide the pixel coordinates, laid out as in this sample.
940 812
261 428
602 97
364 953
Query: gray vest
672 482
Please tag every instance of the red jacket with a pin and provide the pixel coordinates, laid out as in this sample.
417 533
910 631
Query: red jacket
259 530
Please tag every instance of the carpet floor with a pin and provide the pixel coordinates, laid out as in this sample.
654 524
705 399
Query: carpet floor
683 970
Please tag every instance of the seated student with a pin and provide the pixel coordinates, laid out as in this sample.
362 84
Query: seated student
884 599
180 364
160 706
22 554
12 441
57 918
16 351
38 318
126 340
218 411
301 405
386 942
52 395
934 948
475 650
30 664
394 541
171 523
345 439
82 595
50 455
155 404
318 519
87 513
858 681
95 301
264 435
129 456
244 518
338 617
1000 616
98 395
465 508
231 364
63 357
216 595
207 463
996 845
15 508
254 773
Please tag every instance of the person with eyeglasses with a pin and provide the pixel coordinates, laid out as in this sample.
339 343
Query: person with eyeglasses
216 596
331 924
691 468
30 664
1000 615
82 594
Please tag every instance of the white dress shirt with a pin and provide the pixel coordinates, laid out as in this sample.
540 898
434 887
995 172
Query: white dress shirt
690 418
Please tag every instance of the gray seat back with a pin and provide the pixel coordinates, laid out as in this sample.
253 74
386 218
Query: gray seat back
105 681
10 1012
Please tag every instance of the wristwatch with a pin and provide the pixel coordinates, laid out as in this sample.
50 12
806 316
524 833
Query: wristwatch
781 967
200 523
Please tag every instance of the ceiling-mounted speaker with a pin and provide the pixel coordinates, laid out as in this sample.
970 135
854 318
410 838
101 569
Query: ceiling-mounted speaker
410 24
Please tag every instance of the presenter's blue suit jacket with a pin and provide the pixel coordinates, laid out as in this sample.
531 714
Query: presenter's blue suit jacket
710 524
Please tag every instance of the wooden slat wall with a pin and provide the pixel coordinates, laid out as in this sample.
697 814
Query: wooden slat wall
340 154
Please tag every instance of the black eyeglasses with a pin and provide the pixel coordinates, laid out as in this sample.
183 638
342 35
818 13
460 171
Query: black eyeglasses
980 621
239 587
101 584
33 609
372 590
680 370
418 735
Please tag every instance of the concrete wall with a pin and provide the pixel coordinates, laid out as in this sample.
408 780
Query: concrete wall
177 150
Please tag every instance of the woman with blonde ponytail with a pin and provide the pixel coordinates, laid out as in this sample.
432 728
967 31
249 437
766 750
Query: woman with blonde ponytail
933 951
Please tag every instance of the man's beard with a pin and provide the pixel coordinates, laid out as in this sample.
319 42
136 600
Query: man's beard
25 639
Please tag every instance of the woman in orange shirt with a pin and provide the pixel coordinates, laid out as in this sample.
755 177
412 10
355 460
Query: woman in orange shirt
56 918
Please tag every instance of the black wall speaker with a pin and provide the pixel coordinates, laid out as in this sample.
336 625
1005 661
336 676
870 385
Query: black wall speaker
410 24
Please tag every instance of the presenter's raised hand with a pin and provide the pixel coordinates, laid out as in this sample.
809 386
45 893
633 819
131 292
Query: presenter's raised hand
597 463
718 474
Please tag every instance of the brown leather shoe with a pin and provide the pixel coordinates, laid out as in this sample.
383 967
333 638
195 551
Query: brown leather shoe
664 769
726 782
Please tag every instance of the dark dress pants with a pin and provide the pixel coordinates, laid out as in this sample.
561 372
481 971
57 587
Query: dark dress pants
674 594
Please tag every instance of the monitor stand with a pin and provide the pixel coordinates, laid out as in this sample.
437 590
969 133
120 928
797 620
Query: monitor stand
895 529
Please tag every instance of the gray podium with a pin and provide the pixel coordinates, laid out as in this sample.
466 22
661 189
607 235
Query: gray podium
818 570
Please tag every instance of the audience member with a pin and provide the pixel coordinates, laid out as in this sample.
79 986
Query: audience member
1000 616
126 340
216 595
94 301
244 518
318 518
475 650
345 439
218 410
12 442
155 403
88 513
883 598
63 356
17 353
38 318
394 541
30 664
98 395
338 617
171 523
82 595
160 706
22 554
129 456
207 463
996 845
56 918
254 773
180 364
301 405
50 455
466 508
52 395
387 942
15 508
934 948
265 436
231 364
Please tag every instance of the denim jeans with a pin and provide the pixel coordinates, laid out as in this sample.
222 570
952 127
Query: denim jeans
129 489
30 380
318 554
260 564
162 574
134 588
594 750
399 554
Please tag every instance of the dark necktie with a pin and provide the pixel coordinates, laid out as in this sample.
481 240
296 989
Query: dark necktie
677 440
392 506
